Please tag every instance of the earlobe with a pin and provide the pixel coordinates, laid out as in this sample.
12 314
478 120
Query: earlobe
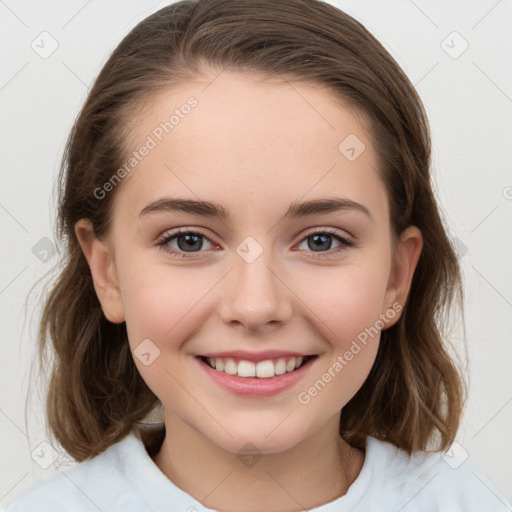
102 266
407 255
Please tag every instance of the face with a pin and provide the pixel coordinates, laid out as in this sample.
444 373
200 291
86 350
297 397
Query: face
258 284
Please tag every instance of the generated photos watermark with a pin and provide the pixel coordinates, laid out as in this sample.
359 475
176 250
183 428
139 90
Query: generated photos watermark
150 143
305 397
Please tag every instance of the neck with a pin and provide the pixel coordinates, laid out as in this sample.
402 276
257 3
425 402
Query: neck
317 470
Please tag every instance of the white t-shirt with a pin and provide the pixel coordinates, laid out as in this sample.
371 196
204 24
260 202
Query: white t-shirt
124 478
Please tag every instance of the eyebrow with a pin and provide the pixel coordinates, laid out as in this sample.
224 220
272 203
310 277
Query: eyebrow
296 209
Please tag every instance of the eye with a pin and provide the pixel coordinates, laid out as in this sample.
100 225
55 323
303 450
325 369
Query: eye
323 240
191 241
188 241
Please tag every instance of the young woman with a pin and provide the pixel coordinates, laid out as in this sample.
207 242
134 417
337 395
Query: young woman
253 248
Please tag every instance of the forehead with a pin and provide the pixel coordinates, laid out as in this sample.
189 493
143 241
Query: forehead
253 143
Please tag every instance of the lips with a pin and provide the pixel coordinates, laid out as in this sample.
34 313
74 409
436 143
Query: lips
261 385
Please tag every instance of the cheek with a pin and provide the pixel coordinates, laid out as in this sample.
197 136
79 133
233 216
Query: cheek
162 303
347 312
344 301
360 303
149 304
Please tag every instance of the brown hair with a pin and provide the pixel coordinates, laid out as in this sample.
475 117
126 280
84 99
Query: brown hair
414 393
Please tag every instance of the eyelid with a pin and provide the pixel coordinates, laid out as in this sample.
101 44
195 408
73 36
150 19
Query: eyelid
173 233
188 229
166 237
331 231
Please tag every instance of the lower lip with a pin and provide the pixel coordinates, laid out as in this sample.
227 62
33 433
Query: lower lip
255 386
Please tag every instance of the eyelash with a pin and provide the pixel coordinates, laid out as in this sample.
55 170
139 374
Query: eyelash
163 241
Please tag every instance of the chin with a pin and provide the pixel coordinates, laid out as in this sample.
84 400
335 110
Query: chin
258 440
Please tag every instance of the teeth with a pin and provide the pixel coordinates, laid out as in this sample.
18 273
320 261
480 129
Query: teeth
230 367
246 369
263 369
280 366
290 365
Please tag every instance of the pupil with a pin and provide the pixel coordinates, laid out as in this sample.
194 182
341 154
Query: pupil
320 241
190 244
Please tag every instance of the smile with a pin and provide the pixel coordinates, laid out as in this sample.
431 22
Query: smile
262 369
256 379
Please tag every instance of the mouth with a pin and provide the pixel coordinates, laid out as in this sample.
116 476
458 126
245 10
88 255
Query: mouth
256 376
264 369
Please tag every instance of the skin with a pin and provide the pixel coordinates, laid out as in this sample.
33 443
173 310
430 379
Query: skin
254 147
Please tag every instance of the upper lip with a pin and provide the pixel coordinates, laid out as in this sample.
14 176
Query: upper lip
254 356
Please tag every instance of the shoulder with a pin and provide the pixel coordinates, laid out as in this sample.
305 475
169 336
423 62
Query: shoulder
426 479
95 484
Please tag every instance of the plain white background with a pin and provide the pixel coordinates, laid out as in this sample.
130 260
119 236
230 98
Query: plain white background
468 97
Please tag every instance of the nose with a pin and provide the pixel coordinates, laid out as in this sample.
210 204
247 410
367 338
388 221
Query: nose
255 296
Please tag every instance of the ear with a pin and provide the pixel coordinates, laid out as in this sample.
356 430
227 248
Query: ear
405 261
101 262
